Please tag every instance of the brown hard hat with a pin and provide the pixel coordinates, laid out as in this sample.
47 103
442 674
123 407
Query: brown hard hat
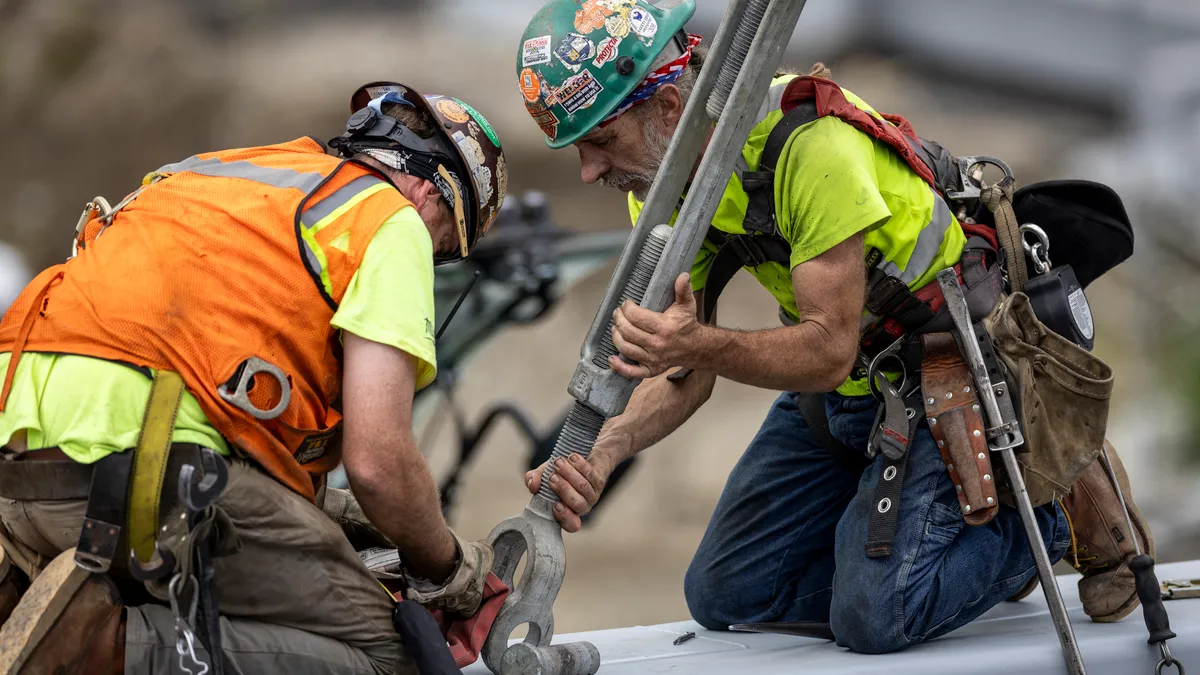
474 142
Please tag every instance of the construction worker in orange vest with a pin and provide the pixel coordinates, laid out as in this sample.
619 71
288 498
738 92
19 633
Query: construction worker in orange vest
239 305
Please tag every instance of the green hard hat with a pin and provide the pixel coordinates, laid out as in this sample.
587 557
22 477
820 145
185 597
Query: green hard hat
579 59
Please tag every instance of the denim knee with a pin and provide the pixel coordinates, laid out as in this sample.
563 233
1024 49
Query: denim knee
707 598
863 618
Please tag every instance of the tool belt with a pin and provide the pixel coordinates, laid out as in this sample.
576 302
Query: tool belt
1063 394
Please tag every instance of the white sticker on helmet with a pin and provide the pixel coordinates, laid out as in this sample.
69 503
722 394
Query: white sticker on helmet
536 51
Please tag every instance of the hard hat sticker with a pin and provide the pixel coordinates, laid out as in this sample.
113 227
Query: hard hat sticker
482 121
541 113
617 26
501 179
574 50
644 24
607 51
536 51
579 92
531 86
452 110
482 174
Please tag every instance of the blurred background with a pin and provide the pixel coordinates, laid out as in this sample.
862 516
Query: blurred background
95 93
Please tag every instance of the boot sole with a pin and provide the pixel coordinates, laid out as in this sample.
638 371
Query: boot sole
1124 611
41 607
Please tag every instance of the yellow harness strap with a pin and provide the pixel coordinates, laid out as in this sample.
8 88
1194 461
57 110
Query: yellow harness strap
150 461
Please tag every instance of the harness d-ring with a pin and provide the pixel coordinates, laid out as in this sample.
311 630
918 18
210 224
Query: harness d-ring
877 362
240 396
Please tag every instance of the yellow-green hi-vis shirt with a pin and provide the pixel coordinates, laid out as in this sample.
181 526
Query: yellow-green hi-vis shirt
831 182
91 407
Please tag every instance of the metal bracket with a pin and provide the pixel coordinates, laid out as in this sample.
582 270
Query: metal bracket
240 395
1180 589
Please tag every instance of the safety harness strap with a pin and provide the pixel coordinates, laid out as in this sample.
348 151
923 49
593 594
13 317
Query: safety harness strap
812 408
734 253
896 423
150 461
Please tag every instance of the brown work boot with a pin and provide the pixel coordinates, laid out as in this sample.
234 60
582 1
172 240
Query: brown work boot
69 622
1101 543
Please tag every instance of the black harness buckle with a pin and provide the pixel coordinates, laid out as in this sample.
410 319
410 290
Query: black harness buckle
747 250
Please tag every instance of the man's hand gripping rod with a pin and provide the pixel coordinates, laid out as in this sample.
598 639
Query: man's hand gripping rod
752 34
1004 435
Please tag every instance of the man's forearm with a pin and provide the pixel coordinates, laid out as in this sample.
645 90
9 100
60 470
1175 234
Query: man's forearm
400 498
804 358
657 408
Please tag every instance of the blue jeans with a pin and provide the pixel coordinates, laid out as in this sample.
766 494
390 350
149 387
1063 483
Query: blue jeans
787 540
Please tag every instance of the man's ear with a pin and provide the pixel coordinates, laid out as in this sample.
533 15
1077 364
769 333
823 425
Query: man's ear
670 103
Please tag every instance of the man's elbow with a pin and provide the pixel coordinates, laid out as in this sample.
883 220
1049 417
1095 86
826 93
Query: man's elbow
833 369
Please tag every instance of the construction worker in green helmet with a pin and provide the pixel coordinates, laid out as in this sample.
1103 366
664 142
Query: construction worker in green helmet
794 536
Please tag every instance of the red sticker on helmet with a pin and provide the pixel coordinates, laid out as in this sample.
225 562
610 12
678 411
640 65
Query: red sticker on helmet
608 51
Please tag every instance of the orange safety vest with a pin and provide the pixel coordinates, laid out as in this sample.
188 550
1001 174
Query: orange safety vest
232 255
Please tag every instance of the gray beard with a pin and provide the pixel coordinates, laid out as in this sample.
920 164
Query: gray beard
641 179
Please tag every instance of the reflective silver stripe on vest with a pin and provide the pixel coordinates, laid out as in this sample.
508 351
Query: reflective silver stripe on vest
774 100
322 209
280 178
929 242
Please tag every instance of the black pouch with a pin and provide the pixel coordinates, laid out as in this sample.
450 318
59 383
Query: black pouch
1085 221
423 639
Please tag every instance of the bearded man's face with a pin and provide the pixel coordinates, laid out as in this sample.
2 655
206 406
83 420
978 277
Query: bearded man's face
626 154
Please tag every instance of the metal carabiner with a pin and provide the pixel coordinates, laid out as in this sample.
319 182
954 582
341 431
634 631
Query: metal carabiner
1167 660
1039 251
240 394
971 190
185 637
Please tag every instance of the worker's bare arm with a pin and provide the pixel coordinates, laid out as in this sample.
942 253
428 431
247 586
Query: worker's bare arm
387 473
657 408
814 356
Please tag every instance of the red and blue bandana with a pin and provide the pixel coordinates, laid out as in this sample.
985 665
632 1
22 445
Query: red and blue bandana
667 74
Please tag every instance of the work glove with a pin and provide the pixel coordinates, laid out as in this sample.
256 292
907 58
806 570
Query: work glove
462 592
340 505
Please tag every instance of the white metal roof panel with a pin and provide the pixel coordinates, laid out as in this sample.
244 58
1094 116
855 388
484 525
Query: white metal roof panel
1011 639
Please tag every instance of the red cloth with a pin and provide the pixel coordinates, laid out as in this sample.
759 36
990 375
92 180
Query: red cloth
466 636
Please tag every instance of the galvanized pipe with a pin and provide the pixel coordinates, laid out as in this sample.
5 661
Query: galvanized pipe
732 67
724 148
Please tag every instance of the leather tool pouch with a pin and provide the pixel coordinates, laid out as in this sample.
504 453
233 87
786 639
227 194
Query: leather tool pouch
956 422
1063 399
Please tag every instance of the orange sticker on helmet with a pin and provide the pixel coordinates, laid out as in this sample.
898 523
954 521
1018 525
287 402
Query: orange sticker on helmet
531 86
591 16
452 111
